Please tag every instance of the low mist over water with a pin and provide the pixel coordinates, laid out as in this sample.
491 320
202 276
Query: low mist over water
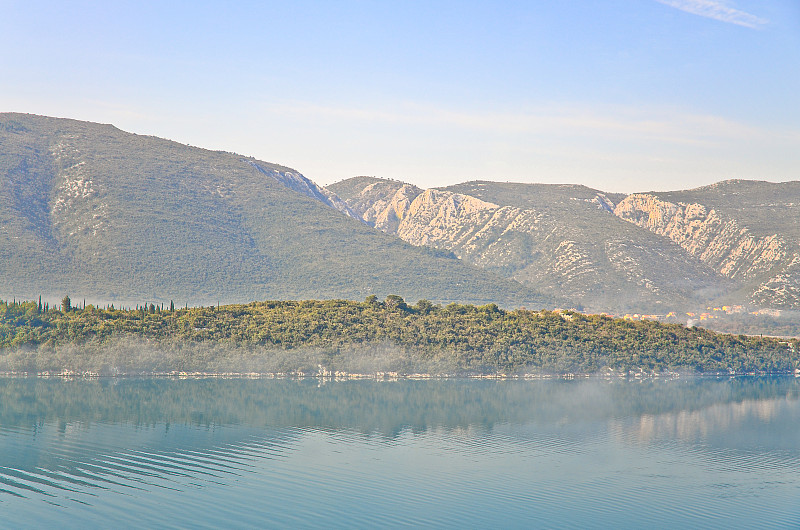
134 356
243 453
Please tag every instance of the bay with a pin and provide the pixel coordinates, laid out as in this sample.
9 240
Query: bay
695 452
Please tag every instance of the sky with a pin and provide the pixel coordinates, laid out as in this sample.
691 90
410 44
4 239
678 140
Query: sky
619 95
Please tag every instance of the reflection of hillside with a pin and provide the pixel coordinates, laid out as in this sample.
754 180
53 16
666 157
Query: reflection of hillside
772 423
58 435
283 453
376 407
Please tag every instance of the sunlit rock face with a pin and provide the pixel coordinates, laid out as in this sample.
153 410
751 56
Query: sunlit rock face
587 257
297 182
732 241
719 241
383 204
436 216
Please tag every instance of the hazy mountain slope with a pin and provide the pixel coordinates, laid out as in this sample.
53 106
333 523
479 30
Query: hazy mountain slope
297 182
746 231
90 210
563 240
27 238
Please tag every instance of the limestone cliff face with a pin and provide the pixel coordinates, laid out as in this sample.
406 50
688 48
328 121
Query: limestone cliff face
522 244
443 218
608 252
537 247
384 207
720 242
735 242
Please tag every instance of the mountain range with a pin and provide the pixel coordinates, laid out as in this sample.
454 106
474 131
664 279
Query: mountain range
92 211
113 217
732 243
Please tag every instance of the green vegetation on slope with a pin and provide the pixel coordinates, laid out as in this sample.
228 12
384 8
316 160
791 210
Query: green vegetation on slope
460 338
121 217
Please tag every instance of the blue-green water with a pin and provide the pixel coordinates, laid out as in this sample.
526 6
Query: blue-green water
456 453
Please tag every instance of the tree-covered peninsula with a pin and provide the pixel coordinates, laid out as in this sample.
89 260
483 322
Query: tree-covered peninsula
364 337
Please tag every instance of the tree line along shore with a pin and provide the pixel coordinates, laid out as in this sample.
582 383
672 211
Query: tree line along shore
375 334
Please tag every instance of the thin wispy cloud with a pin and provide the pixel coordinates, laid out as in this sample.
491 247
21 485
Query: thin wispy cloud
717 10
653 124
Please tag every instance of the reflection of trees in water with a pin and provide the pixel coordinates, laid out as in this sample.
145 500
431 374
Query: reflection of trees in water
387 408
115 429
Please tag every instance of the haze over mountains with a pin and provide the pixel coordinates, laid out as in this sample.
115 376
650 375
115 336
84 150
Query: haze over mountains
97 212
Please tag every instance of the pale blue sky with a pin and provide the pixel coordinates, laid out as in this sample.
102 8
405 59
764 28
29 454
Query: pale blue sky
621 95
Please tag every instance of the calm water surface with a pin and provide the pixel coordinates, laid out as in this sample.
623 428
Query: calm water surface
458 453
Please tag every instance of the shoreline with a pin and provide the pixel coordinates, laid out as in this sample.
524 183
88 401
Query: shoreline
610 375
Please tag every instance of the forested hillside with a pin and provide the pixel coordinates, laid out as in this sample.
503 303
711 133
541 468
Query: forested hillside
371 335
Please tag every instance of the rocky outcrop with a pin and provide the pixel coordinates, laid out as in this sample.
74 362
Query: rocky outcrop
440 218
522 244
297 182
722 243
782 290
719 242
536 247
602 202
384 204
603 251
77 206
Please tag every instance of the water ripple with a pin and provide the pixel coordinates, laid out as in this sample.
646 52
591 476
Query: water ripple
715 463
